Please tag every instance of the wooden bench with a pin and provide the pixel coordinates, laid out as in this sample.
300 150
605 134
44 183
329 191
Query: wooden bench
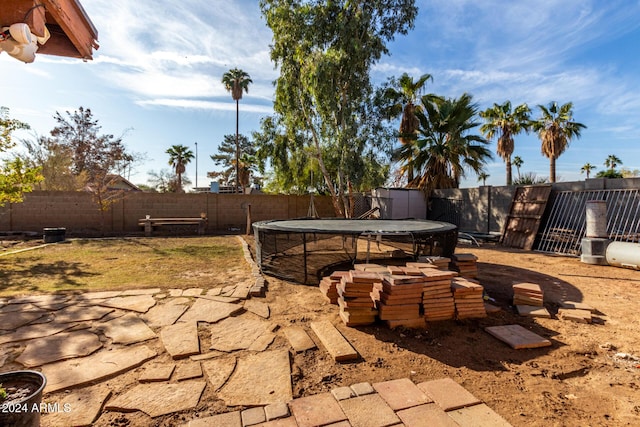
150 223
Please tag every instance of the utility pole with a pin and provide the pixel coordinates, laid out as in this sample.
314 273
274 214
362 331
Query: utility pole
196 164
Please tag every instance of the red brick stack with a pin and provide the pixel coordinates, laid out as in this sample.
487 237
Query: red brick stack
328 285
400 301
357 306
468 298
437 297
440 262
528 294
465 264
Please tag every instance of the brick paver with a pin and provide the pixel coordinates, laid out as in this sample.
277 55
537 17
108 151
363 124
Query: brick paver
253 416
448 394
318 410
368 411
478 416
401 394
429 415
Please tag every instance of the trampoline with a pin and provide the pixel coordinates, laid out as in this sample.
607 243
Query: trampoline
301 250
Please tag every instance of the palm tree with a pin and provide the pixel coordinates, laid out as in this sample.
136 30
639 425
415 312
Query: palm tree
482 176
504 122
517 162
404 100
179 157
612 162
236 81
587 168
556 129
444 147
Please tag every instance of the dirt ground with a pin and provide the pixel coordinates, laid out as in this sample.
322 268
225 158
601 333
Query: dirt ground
590 376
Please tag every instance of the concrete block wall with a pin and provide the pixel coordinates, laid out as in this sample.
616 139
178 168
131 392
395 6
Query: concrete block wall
77 212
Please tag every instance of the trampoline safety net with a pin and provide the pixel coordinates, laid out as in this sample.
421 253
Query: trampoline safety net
304 250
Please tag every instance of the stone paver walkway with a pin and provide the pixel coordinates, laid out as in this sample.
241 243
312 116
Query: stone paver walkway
83 342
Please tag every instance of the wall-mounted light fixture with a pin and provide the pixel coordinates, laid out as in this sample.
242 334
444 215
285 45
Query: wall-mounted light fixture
18 41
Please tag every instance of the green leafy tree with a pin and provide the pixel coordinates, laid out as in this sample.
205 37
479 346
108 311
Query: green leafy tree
530 178
166 181
587 168
237 81
403 95
482 176
517 162
323 98
612 162
556 128
179 157
97 159
226 158
505 123
16 178
446 145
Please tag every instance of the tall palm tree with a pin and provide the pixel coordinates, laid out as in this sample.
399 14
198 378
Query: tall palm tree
404 99
482 176
556 129
179 157
517 162
612 162
236 81
587 168
445 146
506 123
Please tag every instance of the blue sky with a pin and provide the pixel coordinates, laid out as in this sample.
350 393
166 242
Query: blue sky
156 77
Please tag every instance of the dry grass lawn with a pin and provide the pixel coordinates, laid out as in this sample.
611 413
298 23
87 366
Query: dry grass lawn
110 264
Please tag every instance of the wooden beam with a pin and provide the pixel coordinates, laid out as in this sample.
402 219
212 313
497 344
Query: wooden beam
75 23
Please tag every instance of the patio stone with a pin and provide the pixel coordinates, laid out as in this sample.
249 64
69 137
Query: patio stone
157 372
181 339
164 314
139 303
204 310
258 308
219 370
236 333
10 321
58 347
317 410
127 329
84 407
147 291
187 371
159 399
35 331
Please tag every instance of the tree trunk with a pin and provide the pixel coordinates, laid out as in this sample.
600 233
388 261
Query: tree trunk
552 169
509 176
235 190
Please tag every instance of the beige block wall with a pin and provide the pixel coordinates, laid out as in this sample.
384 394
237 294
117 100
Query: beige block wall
77 212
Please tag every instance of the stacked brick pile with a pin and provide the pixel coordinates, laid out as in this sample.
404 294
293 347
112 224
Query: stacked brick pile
328 285
438 261
355 299
400 300
437 297
468 298
528 294
465 264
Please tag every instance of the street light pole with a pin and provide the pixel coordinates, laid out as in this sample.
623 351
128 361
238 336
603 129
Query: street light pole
196 164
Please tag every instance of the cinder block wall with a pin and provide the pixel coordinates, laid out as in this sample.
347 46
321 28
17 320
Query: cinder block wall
77 212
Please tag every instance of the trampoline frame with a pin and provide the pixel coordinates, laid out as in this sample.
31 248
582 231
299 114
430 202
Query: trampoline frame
442 233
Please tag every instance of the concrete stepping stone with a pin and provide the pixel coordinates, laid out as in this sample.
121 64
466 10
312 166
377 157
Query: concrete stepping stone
276 411
317 410
59 347
35 331
157 372
219 370
99 295
429 415
204 310
149 291
127 329
337 345
236 333
12 308
164 314
368 411
100 365
159 399
448 394
139 303
478 416
299 339
192 292
401 393
10 321
258 308
188 370
263 341
260 379
81 314
517 336
84 406
181 339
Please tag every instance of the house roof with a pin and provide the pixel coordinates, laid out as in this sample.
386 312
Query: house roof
72 32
